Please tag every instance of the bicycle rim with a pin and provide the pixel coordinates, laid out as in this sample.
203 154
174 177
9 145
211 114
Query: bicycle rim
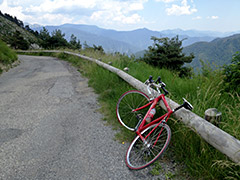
140 155
129 101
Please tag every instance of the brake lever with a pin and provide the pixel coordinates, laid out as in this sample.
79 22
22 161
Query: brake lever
159 79
150 79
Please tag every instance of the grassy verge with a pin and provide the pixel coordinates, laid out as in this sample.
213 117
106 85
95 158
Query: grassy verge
7 56
201 159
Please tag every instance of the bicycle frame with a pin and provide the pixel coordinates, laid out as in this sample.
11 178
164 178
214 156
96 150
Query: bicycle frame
164 118
152 137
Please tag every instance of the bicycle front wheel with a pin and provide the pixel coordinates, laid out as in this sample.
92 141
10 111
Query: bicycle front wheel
141 154
126 104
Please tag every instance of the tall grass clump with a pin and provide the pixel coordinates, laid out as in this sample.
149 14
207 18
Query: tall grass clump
7 56
201 160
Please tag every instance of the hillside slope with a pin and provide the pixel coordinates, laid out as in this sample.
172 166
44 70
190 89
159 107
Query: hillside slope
8 28
218 52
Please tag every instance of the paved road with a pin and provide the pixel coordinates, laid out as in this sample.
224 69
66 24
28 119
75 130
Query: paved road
50 127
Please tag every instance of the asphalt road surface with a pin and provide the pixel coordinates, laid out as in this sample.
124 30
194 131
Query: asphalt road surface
50 127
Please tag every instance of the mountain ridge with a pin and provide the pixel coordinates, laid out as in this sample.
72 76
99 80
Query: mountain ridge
129 41
216 52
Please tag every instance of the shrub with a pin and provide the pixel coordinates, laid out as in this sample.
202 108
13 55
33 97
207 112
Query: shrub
7 56
18 42
167 53
232 74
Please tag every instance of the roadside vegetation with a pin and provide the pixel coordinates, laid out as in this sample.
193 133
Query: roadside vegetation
7 56
204 91
211 88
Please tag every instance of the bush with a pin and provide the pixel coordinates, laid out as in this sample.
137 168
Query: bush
7 56
232 74
167 53
18 42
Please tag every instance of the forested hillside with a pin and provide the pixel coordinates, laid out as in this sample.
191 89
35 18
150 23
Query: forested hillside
217 52
12 29
20 36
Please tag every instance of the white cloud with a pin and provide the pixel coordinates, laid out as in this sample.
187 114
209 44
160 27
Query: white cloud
136 6
133 19
183 9
61 19
49 6
165 1
14 3
72 11
197 18
212 17
14 11
119 12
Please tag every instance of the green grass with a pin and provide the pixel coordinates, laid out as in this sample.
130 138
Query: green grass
202 160
7 56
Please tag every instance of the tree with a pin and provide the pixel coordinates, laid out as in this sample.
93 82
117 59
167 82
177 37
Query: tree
98 48
57 40
232 74
45 37
167 53
94 48
27 27
18 42
73 43
14 19
85 45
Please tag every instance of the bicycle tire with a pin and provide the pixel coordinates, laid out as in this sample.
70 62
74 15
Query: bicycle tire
129 101
140 155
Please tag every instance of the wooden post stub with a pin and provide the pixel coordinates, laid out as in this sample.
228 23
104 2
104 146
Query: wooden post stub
213 116
126 69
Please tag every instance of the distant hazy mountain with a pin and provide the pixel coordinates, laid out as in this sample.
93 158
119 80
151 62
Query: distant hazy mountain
123 41
219 51
195 33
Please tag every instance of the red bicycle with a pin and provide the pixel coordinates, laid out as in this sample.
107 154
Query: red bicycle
153 136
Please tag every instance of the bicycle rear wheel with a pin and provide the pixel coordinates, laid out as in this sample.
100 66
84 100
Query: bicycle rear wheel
140 155
126 104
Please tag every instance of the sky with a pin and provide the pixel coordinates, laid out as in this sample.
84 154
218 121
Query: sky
213 15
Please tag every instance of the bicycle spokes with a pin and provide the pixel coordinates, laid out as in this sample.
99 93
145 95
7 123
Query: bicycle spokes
127 105
142 153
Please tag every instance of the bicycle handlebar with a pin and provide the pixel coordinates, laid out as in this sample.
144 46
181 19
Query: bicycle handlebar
150 82
160 84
